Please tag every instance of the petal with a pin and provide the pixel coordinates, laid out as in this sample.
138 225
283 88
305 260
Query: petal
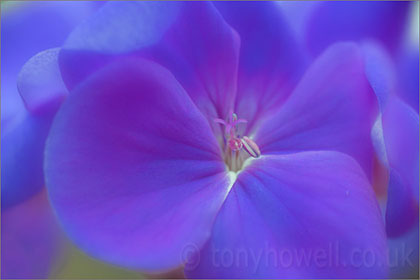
409 76
190 39
270 61
28 28
332 108
22 149
297 14
304 215
30 239
380 71
401 138
402 209
337 21
395 137
40 83
133 169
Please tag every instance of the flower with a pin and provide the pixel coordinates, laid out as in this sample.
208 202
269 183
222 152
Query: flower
141 175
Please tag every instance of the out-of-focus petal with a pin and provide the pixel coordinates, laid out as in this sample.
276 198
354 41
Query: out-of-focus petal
409 77
22 150
380 71
332 108
24 135
270 61
395 136
304 215
402 209
40 83
190 39
132 167
28 28
297 14
337 21
401 138
30 239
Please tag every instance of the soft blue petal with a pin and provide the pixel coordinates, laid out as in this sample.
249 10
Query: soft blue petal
190 39
332 108
304 215
380 71
22 150
401 138
133 169
270 62
28 28
408 72
333 21
40 84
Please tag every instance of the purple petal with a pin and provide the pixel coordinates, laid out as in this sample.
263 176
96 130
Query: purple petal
297 14
133 169
40 83
401 138
190 39
28 28
332 108
305 215
409 76
270 61
395 137
338 21
22 149
30 240
380 71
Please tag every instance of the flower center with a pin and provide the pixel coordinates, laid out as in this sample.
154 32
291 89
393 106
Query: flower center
236 148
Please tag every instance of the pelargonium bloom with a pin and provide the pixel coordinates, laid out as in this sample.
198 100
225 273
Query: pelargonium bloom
140 170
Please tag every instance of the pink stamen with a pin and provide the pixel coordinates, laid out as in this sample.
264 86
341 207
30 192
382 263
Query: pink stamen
234 142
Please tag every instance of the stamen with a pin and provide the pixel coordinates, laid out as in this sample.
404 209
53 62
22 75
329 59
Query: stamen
251 147
234 143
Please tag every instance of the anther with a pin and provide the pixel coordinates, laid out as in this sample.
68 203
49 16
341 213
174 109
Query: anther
251 147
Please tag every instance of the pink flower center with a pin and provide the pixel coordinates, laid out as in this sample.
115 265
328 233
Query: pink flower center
234 144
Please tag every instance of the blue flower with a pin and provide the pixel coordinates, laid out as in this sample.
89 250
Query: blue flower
212 136
139 172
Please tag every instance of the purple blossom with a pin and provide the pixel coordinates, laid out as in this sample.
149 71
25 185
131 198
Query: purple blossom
212 137
137 169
